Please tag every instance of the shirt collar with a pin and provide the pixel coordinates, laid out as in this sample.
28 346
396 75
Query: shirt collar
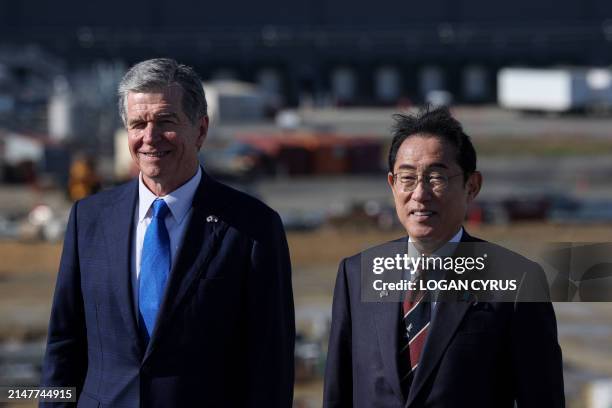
178 201
444 250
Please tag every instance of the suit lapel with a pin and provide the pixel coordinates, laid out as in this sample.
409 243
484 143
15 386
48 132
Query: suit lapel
386 318
448 316
201 240
118 231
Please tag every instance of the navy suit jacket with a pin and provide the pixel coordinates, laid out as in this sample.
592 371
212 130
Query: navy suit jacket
225 332
477 354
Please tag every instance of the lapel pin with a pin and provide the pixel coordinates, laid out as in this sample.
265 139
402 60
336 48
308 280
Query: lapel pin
211 218
471 298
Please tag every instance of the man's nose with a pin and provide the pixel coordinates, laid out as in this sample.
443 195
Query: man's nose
151 133
422 191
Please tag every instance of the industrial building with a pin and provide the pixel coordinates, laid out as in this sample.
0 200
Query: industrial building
341 52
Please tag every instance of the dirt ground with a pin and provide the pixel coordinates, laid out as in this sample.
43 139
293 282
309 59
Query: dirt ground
28 271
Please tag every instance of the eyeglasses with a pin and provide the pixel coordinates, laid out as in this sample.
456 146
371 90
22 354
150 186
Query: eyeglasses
408 180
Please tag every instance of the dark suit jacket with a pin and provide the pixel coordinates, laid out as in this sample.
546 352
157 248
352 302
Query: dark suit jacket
478 354
225 332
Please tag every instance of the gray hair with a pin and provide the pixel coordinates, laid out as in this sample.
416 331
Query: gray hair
155 75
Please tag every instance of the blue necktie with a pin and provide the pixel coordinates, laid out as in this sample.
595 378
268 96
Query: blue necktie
154 268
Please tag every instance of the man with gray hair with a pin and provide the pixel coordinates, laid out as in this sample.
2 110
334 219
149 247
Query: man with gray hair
173 290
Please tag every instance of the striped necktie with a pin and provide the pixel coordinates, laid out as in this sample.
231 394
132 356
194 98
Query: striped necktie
416 317
154 268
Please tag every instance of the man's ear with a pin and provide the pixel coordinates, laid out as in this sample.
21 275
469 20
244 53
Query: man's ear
390 179
473 185
203 131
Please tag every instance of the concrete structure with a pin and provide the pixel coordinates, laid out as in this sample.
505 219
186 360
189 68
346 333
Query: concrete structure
328 51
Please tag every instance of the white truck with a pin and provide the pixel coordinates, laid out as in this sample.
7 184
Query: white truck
554 89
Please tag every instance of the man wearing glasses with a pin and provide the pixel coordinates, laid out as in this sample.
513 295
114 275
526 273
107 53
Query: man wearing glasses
420 351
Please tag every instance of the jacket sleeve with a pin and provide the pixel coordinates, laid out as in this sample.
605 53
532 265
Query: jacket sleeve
65 361
338 388
536 354
270 322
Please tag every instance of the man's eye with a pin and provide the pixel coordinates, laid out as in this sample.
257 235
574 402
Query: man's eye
138 125
437 180
165 119
407 179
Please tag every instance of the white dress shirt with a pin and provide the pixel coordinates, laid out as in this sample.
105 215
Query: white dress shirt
179 202
445 250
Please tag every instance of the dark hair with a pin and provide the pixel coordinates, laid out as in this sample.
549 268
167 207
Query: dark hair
434 122
156 74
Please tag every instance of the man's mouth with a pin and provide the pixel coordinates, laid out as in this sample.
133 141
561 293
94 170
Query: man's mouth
154 154
422 213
